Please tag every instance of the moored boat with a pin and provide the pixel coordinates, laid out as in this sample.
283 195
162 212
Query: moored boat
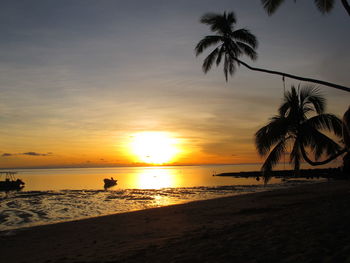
109 182
10 183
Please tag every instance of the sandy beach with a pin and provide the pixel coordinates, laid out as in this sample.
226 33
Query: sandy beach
307 223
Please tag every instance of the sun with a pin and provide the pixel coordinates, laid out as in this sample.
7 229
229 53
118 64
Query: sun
154 147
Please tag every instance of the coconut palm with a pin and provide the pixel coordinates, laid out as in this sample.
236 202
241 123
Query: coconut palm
324 6
299 123
231 43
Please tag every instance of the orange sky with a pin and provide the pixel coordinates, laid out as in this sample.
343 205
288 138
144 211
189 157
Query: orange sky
79 80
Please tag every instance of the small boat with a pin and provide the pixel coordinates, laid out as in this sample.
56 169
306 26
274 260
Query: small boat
109 182
10 183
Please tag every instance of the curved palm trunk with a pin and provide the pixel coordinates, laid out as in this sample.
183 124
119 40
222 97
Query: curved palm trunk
306 158
329 84
346 6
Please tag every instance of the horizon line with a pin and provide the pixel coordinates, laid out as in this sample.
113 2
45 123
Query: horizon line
121 165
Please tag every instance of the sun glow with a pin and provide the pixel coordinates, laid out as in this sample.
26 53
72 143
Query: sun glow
154 147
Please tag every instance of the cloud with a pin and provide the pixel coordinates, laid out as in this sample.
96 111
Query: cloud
36 154
26 153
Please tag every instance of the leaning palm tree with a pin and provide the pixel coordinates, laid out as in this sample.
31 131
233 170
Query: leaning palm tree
299 123
231 43
324 6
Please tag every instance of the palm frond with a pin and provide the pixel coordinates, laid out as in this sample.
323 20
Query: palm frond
292 99
319 103
206 42
307 109
273 158
295 155
328 122
219 23
233 49
245 36
220 54
311 95
247 50
231 66
226 66
284 109
318 142
210 18
271 5
276 130
209 60
231 18
324 6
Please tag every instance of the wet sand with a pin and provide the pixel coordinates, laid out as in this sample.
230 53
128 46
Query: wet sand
307 223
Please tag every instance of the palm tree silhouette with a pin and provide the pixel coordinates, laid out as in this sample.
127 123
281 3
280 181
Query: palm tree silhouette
324 6
293 126
230 44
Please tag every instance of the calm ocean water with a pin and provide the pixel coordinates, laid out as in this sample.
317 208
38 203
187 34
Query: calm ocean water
55 195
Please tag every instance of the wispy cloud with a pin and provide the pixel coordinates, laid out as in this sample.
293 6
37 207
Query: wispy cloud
26 153
36 154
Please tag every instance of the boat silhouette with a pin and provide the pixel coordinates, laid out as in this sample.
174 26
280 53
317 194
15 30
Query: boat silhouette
10 183
109 182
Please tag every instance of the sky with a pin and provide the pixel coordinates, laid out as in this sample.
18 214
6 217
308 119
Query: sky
79 79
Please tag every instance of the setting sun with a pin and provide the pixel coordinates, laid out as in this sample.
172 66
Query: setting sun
154 147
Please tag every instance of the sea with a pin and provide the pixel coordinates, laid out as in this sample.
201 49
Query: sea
66 194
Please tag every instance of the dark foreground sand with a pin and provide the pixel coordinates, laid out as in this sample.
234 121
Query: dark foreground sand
309 223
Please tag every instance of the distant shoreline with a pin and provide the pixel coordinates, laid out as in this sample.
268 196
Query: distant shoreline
304 173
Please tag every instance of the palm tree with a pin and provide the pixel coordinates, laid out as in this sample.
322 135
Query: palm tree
293 126
230 44
324 6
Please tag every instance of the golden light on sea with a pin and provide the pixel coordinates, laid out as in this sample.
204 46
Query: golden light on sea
156 178
154 147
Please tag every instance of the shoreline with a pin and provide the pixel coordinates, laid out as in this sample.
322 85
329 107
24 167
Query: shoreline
295 224
327 173
27 223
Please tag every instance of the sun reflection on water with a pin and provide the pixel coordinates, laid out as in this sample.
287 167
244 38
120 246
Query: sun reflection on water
156 178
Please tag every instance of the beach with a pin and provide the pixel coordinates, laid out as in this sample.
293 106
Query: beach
306 223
